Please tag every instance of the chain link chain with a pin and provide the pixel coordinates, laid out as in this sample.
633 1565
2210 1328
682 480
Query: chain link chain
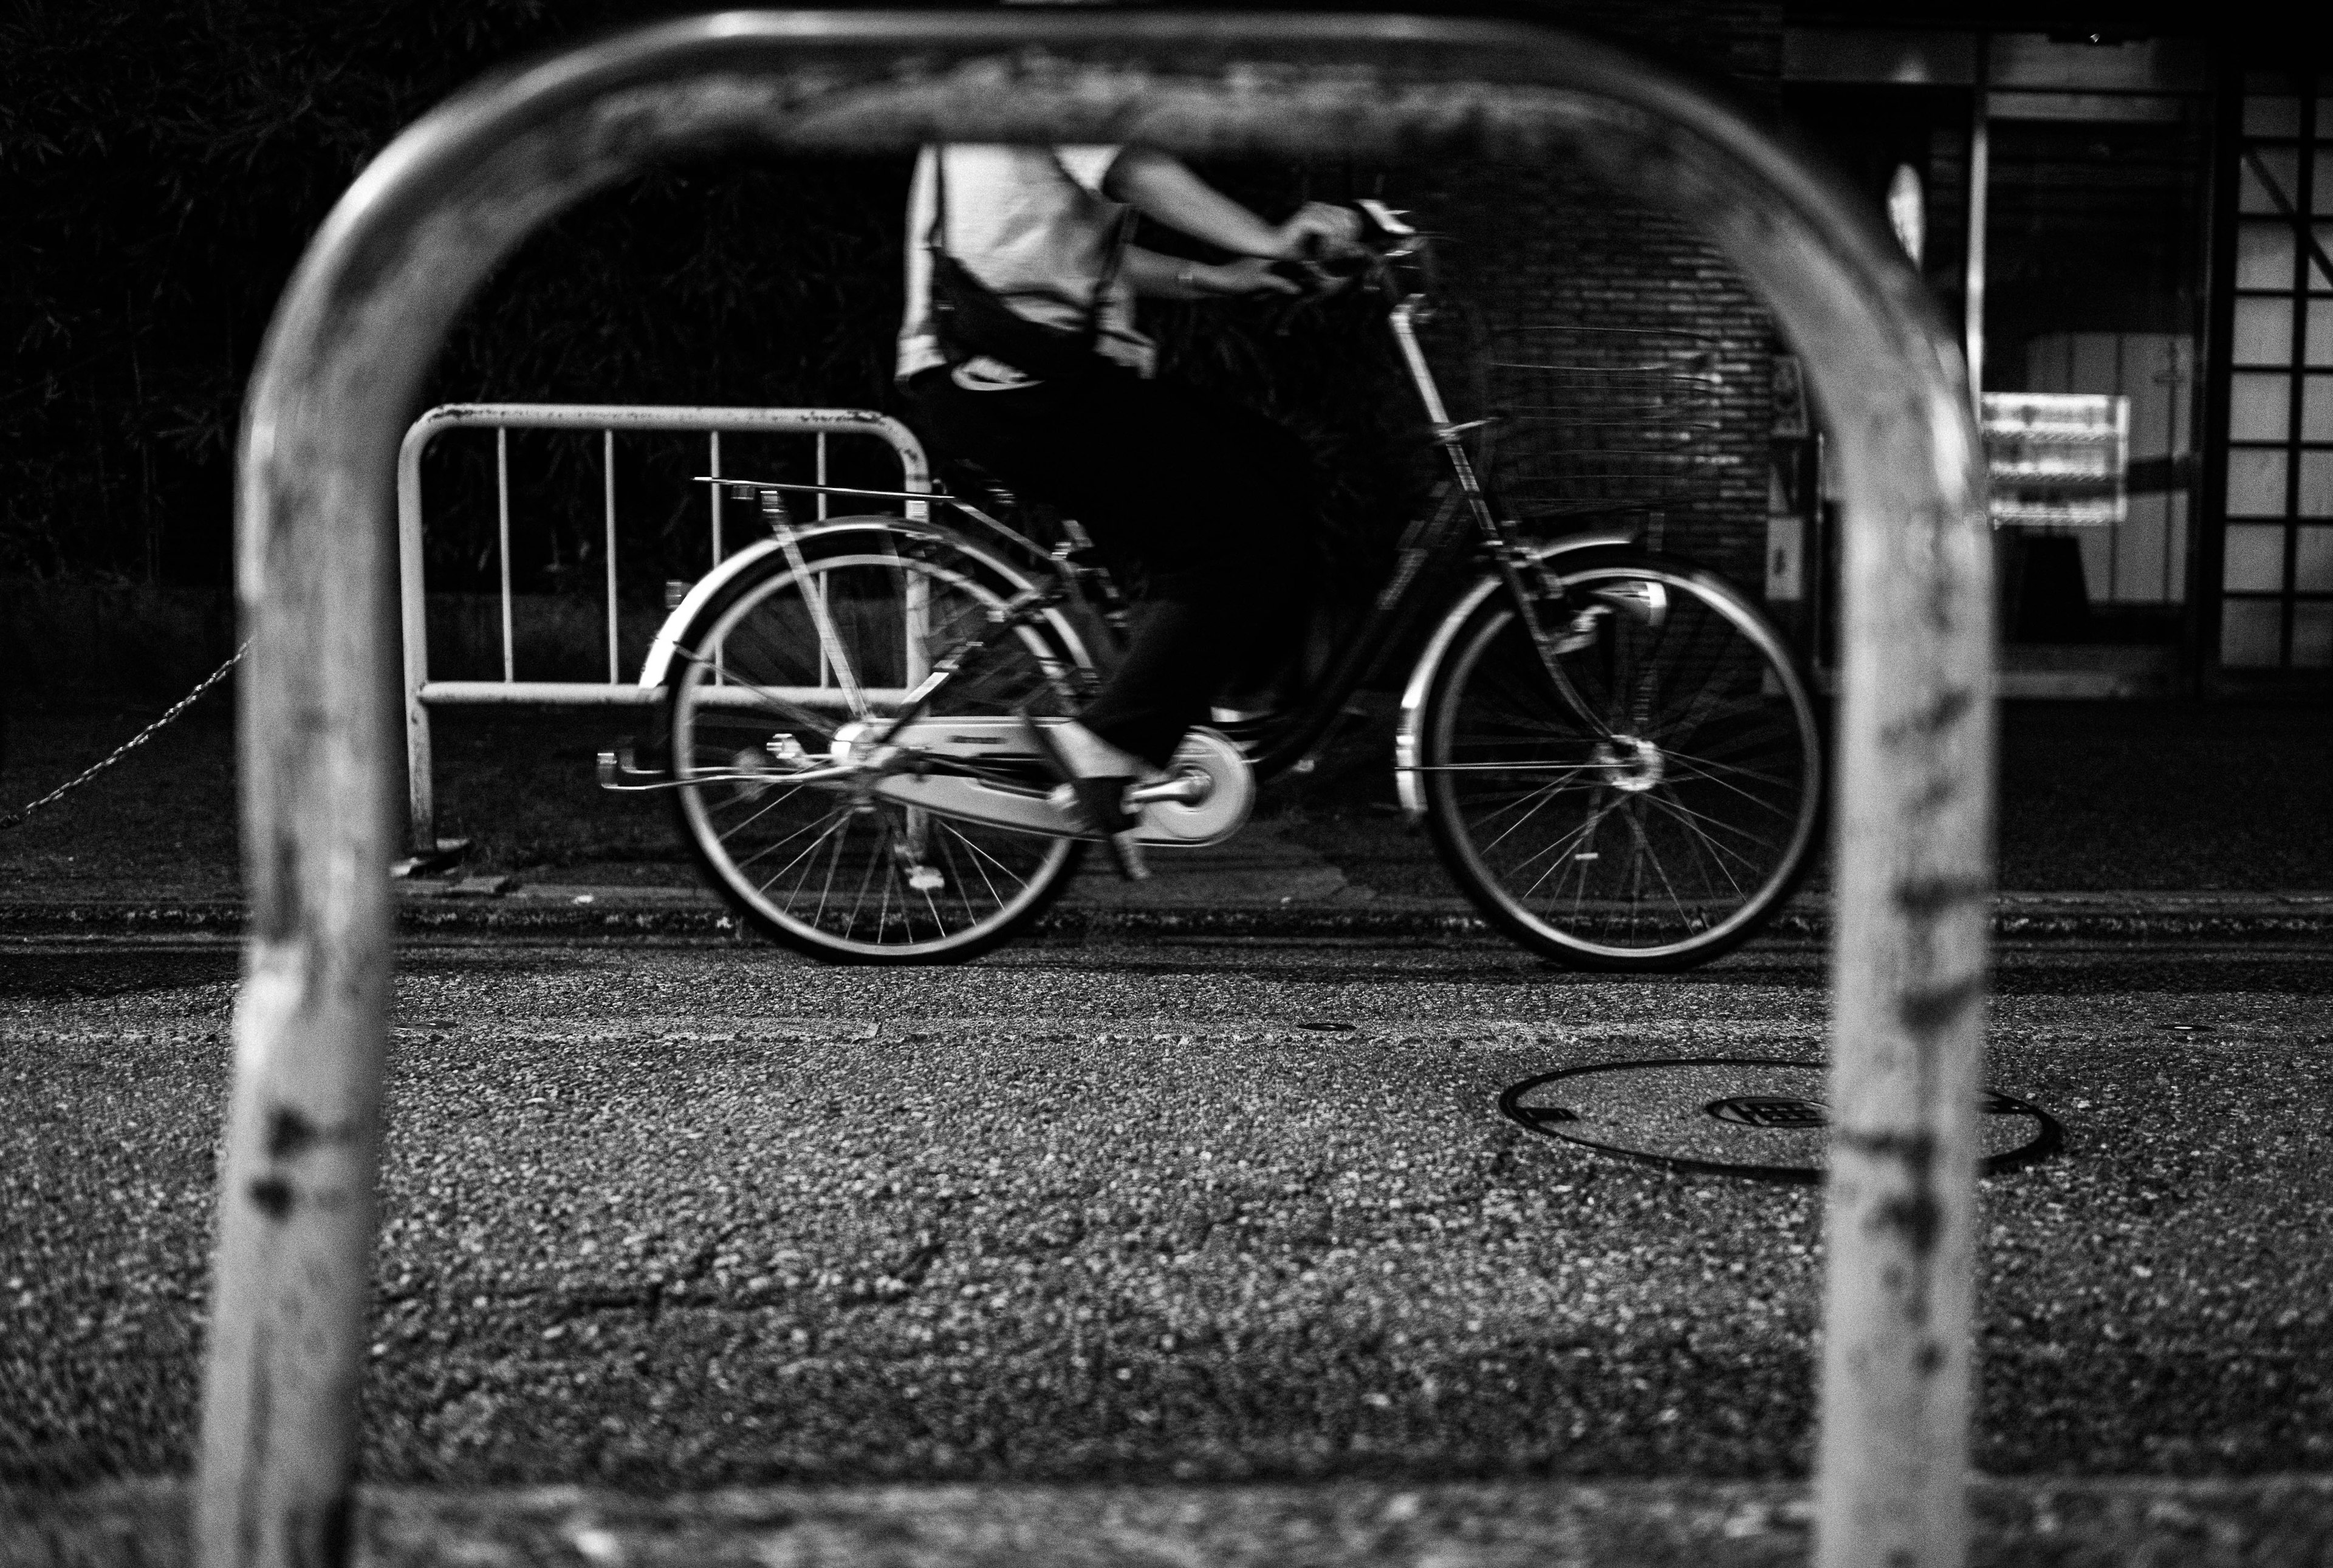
14 819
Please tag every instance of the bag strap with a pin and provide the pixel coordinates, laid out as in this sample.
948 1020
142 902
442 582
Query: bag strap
1121 236
935 236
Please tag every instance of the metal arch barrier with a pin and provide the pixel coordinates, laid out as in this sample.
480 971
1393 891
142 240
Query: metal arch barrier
422 694
416 233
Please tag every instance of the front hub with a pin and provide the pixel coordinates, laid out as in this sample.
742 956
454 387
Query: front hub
1629 763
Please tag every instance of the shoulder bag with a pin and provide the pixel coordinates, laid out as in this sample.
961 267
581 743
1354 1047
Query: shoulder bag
972 320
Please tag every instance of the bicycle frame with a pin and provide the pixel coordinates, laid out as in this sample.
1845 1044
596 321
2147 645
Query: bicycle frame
1519 564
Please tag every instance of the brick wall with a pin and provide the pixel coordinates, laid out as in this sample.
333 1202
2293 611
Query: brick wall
1547 248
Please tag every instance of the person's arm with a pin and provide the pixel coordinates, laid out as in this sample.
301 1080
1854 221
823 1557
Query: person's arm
1173 277
1160 188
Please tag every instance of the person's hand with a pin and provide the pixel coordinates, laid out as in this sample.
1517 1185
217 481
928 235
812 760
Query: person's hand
1320 232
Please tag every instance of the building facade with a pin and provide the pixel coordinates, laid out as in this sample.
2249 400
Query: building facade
2134 226
2130 227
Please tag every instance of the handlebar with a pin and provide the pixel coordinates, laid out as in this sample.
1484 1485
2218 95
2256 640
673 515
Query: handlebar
1386 240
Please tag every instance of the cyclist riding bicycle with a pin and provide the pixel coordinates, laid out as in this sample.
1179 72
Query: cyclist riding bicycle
1021 351
1613 749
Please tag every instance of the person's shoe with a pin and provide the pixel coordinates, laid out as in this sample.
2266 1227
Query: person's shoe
1098 801
1101 803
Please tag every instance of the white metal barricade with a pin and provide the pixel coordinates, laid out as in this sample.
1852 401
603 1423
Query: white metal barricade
422 693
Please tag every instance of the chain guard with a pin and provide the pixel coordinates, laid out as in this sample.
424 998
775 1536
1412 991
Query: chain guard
1003 741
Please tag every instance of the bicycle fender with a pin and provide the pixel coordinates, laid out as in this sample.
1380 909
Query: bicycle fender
656 668
1407 783
659 663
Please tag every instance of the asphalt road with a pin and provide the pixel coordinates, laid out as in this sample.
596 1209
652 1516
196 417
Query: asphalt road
675 1216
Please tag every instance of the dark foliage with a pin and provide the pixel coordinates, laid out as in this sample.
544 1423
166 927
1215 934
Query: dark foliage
166 164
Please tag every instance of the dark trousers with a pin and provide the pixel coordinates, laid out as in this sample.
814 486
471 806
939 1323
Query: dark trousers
1212 503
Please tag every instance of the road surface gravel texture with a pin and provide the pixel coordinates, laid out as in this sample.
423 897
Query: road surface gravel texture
672 1216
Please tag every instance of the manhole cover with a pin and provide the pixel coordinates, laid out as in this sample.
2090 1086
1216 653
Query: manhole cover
1732 1116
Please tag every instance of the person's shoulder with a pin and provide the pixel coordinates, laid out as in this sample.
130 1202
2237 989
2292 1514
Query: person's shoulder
1002 157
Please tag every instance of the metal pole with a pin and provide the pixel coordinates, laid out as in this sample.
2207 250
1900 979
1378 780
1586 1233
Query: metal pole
428 219
721 654
502 537
713 494
607 470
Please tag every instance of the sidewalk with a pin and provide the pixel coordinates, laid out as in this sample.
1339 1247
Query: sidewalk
2119 822
2275 1522
1262 884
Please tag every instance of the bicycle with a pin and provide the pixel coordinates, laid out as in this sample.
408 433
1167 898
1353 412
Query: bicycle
1613 750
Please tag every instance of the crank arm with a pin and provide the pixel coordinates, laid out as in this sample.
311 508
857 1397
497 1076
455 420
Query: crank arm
1188 790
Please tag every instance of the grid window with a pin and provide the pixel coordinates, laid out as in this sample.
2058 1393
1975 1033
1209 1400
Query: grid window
2260 406
2276 544
2251 634
2263 332
2312 560
2256 483
2316 484
2268 110
2253 560
2317 408
2312 634
2281 165
2264 253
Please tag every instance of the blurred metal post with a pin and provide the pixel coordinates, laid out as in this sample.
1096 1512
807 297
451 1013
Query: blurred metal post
406 247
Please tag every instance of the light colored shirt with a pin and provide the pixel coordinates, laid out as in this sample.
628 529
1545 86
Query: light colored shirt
1032 224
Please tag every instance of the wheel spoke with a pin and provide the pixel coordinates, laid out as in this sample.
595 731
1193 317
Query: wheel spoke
1708 770
808 864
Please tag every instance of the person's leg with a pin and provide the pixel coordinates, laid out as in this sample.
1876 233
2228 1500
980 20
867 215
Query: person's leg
1212 503
1223 552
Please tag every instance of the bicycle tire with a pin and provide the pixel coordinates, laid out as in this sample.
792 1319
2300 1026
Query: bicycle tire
1667 847
751 666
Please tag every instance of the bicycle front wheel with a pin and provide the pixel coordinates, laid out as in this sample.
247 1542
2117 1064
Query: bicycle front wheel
1659 837
792 663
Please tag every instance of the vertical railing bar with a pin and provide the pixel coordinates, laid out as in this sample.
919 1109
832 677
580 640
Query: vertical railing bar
420 792
720 655
608 472
503 542
817 460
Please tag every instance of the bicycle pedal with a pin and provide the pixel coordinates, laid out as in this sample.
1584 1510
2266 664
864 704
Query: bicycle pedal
1582 634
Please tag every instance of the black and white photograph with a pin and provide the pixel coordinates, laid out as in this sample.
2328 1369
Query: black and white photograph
1062 783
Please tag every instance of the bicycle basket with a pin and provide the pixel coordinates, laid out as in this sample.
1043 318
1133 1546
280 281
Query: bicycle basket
1587 421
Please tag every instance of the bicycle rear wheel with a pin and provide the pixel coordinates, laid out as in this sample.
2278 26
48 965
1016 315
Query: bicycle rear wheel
782 665
1663 844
